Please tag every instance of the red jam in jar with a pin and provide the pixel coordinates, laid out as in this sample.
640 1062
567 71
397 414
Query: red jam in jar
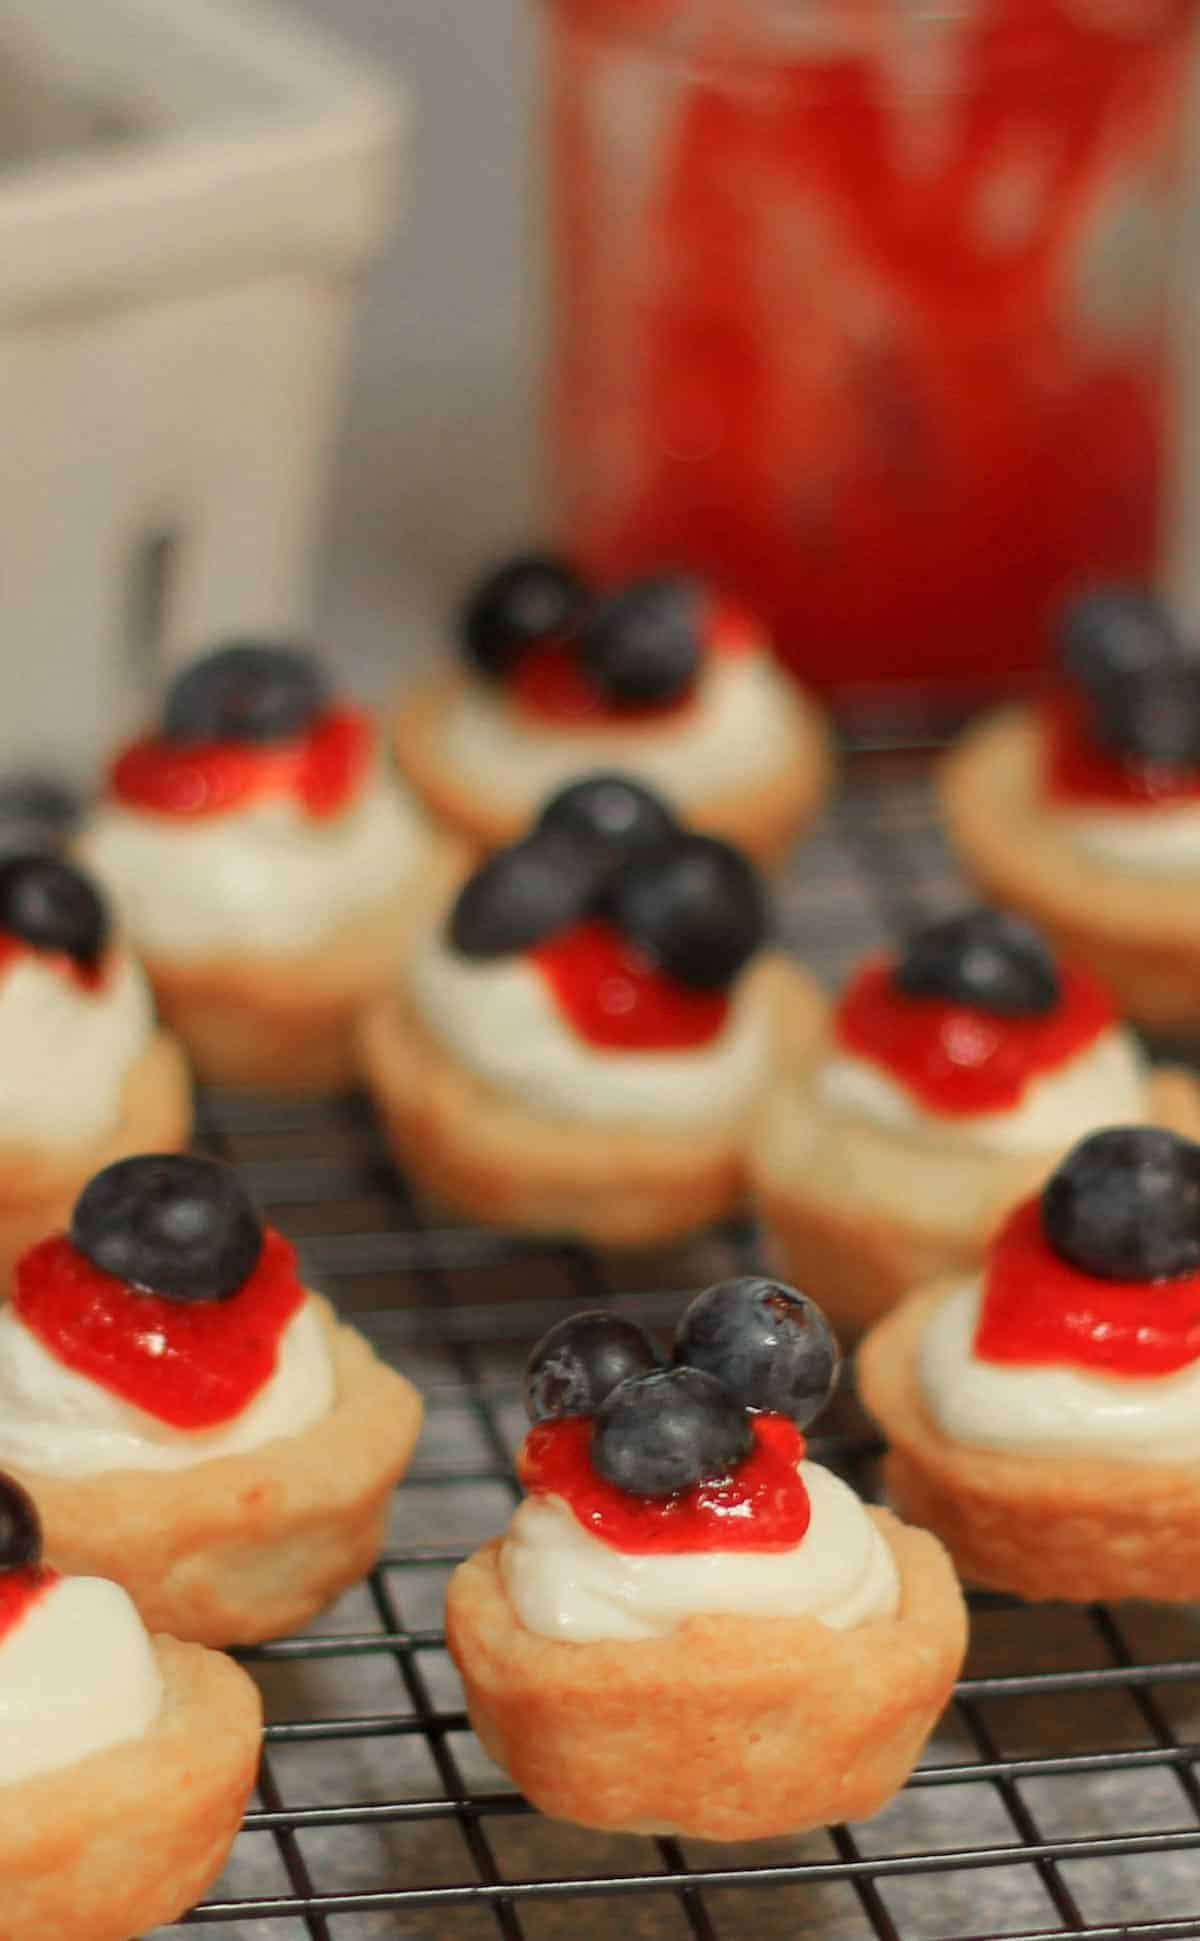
192 1364
610 995
958 1060
321 770
20 1591
763 1506
1078 772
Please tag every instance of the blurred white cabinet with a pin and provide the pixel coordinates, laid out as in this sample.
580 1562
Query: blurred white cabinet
188 192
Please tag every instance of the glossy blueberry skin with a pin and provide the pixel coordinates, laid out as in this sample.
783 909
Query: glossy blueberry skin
695 907
20 1528
1124 1205
526 602
248 691
1116 631
987 959
53 907
170 1223
1151 718
667 1431
521 896
610 818
644 644
578 1363
771 1347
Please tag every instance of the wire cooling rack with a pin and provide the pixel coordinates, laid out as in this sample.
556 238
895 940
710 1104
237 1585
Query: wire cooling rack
1059 1796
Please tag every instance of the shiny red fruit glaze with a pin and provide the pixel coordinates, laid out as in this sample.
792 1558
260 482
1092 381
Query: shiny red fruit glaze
609 994
1039 1310
321 770
960 1061
89 977
763 1506
193 1364
1076 770
19 1591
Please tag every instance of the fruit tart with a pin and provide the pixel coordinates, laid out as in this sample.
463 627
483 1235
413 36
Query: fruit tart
267 864
190 1421
579 1046
125 1760
660 678
689 1627
1084 810
88 1073
953 1077
1043 1414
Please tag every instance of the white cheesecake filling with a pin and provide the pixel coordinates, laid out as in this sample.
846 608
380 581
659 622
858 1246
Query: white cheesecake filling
1105 1084
740 727
565 1583
265 880
66 1051
499 1020
1162 841
1051 1410
77 1675
56 1422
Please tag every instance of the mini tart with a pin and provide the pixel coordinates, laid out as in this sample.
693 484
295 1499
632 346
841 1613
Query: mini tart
763 820
129 1838
1065 1527
482 1153
859 1214
1139 937
39 1184
704 1733
245 1547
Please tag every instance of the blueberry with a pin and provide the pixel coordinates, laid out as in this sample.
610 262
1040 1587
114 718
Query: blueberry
1124 1205
520 896
694 906
581 1360
171 1224
987 959
1115 632
771 1347
1151 718
524 603
667 1431
53 907
644 643
609 817
246 690
20 1527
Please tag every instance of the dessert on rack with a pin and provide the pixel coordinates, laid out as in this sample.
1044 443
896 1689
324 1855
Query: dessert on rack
125 1760
955 1073
189 1420
579 1045
689 1626
661 678
1083 810
267 865
1044 1413
89 1075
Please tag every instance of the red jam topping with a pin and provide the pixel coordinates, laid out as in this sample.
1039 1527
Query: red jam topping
1077 770
321 770
610 995
193 1364
958 1060
1039 1310
763 1506
89 977
19 1591
551 684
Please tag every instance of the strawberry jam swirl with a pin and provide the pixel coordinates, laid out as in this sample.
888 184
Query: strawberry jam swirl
612 997
550 684
1077 771
321 770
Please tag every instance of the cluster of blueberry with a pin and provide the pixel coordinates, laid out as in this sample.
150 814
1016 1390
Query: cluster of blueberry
172 1224
639 647
1139 676
1125 1205
607 848
984 958
52 907
661 1426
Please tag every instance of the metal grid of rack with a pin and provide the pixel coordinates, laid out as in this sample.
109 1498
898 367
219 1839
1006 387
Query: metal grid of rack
1060 1795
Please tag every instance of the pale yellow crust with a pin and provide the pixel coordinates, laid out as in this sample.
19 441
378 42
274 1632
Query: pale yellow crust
286 1024
765 819
1073 1527
40 1184
128 1839
728 1729
241 1548
480 1152
1140 936
858 1215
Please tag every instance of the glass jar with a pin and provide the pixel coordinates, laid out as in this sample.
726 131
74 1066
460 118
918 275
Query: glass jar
861 308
